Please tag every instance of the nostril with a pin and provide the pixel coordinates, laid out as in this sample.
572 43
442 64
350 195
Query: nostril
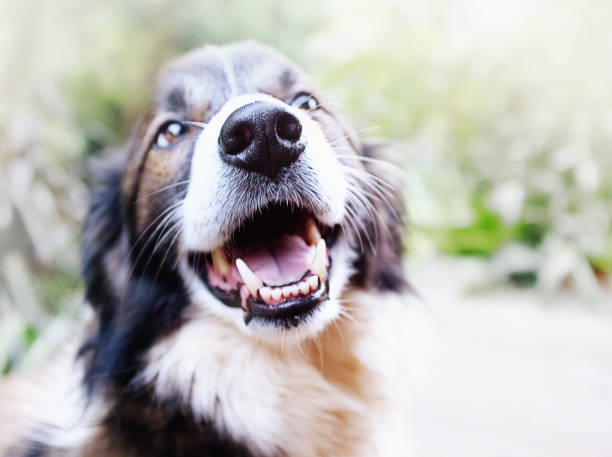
288 127
237 138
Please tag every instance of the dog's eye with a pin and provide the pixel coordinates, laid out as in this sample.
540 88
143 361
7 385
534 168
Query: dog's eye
306 102
169 133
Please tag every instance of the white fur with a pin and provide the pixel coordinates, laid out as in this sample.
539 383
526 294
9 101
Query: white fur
246 389
273 398
211 188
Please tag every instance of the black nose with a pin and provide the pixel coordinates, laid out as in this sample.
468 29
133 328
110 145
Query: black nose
261 137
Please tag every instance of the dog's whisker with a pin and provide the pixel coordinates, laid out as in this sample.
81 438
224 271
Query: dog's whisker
357 226
171 221
361 158
168 250
167 214
369 198
341 138
370 175
155 192
136 244
382 188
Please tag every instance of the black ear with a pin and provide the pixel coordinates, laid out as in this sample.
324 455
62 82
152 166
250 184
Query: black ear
103 236
380 264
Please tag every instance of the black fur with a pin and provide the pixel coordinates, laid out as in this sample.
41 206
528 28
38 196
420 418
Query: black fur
102 231
30 449
130 321
139 426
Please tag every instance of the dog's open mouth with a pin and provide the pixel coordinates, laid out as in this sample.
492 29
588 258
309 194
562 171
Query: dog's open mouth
276 265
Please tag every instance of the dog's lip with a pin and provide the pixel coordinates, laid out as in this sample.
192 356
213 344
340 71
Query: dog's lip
287 313
285 310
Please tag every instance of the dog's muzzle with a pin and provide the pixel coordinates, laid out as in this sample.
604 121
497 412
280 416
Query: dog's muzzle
263 210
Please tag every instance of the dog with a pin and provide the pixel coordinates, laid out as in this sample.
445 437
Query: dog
236 253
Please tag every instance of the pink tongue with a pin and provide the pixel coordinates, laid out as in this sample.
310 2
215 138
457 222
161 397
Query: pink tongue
280 261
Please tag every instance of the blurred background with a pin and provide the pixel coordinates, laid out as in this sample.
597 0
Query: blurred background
501 112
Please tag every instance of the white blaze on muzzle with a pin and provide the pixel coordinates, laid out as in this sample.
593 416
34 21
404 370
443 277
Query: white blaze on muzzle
217 194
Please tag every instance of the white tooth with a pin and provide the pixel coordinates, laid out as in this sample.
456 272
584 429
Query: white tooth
312 233
294 290
220 262
277 293
313 282
287 291
250 279
304 287
266 294
319 261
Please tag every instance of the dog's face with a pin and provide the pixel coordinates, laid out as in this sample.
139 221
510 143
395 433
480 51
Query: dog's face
244 196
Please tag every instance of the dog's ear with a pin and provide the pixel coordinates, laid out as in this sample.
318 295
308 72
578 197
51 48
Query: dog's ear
380 264
103 240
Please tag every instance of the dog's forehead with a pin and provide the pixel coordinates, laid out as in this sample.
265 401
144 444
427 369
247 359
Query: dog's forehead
199 83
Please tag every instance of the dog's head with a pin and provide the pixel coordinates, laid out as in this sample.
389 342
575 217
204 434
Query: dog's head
244 198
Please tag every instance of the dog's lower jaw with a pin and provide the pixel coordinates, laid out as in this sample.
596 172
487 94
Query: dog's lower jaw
323 315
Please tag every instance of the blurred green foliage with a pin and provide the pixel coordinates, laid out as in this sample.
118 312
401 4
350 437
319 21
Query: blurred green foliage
500 112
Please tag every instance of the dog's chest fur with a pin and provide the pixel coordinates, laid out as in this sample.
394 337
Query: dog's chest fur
223 395
226 396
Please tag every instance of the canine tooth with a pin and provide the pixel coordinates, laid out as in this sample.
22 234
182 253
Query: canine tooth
220 262
317 265
304 287
313 282
312 233
266 293
250 279
277 293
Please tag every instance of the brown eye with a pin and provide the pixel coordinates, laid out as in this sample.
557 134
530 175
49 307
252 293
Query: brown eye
169 133
306 102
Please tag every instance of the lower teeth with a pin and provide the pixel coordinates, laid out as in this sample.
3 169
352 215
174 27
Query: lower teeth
271 295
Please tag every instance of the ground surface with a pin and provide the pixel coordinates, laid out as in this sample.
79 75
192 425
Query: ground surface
509 373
